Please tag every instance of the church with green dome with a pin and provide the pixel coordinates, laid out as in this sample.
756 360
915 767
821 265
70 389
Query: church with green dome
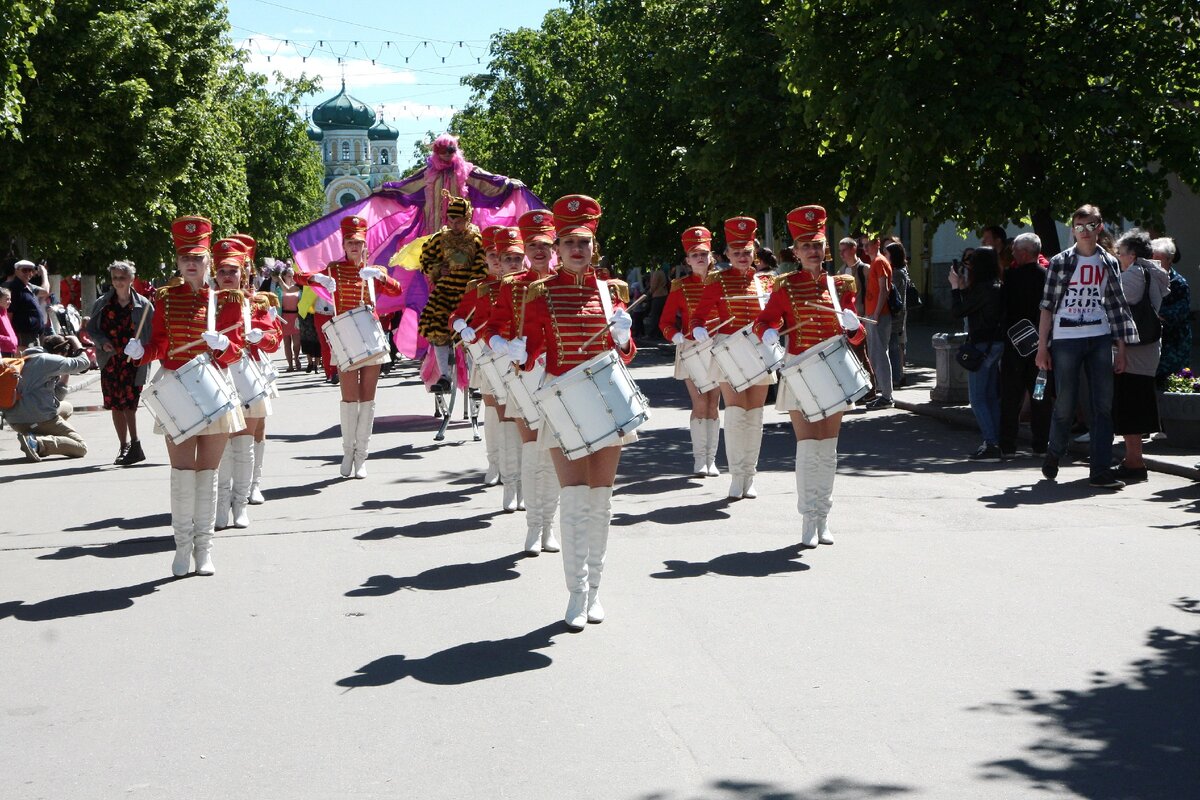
358 148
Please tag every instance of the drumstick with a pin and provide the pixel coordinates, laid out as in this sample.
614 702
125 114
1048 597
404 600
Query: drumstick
604 330
138 333
456 335
190 345
831 311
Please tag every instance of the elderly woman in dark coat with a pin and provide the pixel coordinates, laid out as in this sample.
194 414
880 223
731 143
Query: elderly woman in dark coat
116 316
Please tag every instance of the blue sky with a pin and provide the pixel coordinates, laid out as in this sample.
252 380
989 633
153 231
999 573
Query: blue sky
415 47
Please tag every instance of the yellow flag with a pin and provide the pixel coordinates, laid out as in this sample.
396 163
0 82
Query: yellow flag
409 256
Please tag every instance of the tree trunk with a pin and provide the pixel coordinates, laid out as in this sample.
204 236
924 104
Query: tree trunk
1045 226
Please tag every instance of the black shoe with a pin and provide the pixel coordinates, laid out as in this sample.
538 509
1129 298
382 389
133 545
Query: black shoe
1050 467
986 452
1009 455
1131 474
1106 480
878 403
133 455
336 379
442 385
121 455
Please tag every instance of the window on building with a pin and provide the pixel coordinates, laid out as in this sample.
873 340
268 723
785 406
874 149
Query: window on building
384 158
345 151
347 198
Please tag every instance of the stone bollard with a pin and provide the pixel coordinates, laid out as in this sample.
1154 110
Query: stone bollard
951 386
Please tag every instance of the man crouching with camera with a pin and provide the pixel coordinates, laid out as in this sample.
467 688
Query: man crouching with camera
39 417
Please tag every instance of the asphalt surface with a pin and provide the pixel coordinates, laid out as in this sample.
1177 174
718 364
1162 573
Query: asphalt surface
975 632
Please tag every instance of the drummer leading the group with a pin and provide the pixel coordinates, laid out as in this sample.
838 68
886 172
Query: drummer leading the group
566 320
801 305
682 302
346 281
189 321
731 301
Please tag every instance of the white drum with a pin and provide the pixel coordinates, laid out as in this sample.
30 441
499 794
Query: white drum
696 360
248 381
826 378
355 338
187 400
743 359
493 368
269 373
593 406
520 386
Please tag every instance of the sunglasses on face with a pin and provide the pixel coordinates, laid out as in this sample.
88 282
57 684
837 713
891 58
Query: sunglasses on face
1087 226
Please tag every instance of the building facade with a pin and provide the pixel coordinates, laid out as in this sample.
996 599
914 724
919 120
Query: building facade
358 148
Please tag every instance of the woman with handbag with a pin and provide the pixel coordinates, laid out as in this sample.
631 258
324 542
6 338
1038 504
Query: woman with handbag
1135 399
978 298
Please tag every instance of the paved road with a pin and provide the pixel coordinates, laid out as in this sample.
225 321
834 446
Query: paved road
974 633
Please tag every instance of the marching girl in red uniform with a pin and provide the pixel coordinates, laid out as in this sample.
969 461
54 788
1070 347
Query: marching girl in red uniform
682 301
802 298
346 281
563 311
732 300
180 321
240 465
472 315
538 484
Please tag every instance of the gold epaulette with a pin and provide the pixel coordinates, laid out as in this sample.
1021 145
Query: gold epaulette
779 281
264 300
226 296
511 278
845 283
677 284
712 277
619 289
163 291
537 289
472 286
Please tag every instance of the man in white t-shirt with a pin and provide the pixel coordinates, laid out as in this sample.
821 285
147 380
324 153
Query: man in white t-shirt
1084 312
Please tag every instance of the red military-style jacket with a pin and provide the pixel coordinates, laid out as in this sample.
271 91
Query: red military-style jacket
562 312
351 290
262 319
477 304
682 302
181 317
716 305
787 308
509 306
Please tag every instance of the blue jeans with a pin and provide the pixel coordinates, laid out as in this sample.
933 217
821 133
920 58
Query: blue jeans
1093 358
983 387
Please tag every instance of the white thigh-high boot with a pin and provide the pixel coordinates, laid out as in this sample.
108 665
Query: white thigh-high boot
362 437
183 512
712 428
806 456
256 496
349 431
243 475
574 505
491 441
699 447
510 464
735 449
225 486
598 518
531 490
548 490
204 515
823 491
751 445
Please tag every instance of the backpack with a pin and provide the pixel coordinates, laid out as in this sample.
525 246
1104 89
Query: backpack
10 378
1149 324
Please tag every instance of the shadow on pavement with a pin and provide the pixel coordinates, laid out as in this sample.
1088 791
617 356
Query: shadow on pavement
126 523
659 486
738 565
1125 737
677 515
464 663
304 490
332 432
828 789
441 579
427 500
39 473
143 546
1041 493
430 528
99 601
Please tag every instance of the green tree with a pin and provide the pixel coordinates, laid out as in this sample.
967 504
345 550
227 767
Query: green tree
983 113
19 21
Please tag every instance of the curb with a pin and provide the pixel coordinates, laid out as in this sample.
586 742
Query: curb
84 384
963 418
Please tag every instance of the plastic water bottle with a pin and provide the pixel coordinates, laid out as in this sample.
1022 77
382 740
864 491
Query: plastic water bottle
1039 386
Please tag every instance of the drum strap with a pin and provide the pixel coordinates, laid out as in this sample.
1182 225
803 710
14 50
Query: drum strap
758 291
837 304
246 317
212 310
605 300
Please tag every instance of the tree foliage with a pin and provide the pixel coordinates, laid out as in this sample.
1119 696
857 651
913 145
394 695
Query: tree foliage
19 21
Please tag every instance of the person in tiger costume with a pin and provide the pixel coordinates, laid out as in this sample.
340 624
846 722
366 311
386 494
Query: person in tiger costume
450 259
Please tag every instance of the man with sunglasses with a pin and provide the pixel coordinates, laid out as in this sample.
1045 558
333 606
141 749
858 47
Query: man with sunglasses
26 311
1083 314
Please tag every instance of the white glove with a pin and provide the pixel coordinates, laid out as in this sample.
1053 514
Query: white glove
370 273
324 281
849 320
255 336
677 339
135 350
621 326
770 337
215 341
700 334
541 361
459 324
467 333
498 344
516 351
